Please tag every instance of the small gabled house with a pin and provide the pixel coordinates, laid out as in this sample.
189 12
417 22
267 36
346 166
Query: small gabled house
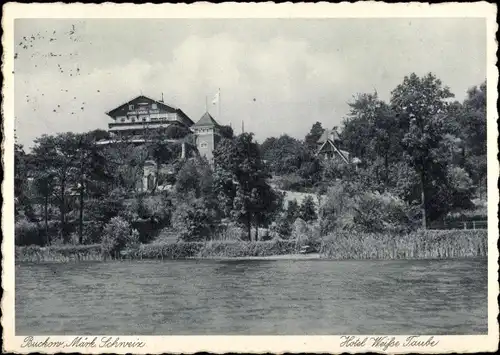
329 148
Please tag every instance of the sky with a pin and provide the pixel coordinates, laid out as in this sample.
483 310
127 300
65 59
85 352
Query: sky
277 75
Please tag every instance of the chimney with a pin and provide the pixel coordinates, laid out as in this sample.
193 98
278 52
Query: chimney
161 97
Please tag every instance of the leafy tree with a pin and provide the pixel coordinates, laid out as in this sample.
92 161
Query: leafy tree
307 209
226 132
240 182
371 132
125 163
175 131
281 227
195 219
472 130
311 139
23 202
56 156
195 176
421 106
285 154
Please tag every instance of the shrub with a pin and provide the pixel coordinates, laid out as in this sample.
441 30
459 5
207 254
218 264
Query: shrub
27 233
92 232
291 182
194 220
231 231
307 210
281 228
292 210
116 235
305 233
347 208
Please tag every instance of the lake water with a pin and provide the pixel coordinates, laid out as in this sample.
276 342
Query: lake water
314 297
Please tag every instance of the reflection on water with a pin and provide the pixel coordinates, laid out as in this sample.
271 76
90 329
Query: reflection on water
253 297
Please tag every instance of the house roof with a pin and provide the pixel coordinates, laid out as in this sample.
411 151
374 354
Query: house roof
329 134
206 121
124 108
342 153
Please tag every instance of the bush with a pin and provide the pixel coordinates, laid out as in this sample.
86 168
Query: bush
346 207
92 232
27 233
194 220
231 231
116 235
281 228
291 182
307 210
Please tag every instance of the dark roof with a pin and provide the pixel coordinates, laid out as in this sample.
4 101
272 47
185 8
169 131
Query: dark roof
206 121
123 108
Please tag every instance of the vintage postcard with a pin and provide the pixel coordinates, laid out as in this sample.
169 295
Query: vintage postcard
258 178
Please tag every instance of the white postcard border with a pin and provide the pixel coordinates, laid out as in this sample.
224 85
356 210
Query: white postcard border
255 344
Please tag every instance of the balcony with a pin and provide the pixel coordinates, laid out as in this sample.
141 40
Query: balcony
139 125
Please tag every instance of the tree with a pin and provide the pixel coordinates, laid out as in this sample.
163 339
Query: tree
194 219
307 209
311 139
125 163
21 184
371 133
240 182
472 130
285 155
195 176
292 210
421 105
55 156
226 132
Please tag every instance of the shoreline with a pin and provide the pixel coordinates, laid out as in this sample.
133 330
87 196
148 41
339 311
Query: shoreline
311 256
340 246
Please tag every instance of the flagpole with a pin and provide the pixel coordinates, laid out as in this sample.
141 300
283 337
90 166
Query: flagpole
206 104
218 114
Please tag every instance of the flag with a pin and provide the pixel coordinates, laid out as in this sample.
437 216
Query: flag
216 98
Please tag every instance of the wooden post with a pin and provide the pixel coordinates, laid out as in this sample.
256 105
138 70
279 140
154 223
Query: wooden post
474 225
465 225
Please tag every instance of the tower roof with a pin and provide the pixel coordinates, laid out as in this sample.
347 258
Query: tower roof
206 121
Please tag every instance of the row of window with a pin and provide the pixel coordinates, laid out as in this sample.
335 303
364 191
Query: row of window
144 118
154 106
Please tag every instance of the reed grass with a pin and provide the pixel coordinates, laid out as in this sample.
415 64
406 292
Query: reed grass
63 253
344 245
430 244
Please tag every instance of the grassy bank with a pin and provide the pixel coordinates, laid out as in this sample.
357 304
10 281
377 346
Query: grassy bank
419 245
63 253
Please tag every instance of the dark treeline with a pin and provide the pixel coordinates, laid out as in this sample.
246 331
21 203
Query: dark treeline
421 156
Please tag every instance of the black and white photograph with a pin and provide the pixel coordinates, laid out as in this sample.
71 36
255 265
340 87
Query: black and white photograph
231 175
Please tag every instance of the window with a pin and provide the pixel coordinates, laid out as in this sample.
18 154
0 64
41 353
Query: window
130 107
154 106
123 119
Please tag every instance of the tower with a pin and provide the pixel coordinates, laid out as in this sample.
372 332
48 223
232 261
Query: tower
207 135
